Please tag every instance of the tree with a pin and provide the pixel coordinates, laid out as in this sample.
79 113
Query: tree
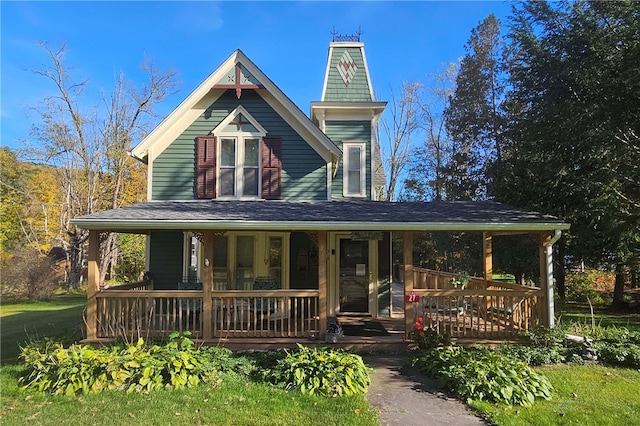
88 149
405 119
473 116
13 178
426 178
574 118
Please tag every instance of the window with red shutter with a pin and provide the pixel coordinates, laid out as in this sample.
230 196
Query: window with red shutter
206 167
271 168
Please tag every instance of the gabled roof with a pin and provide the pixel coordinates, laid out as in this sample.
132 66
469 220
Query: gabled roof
238 72
351 215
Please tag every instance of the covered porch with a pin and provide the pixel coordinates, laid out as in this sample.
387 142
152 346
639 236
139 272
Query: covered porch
259 317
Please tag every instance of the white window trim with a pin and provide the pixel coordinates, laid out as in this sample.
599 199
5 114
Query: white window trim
363 169
186 264
239 165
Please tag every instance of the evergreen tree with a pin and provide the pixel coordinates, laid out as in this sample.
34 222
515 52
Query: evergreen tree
473 116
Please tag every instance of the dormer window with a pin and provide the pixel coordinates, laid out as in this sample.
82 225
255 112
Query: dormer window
238 161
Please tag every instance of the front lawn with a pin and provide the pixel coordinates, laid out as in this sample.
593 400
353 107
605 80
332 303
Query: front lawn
584 395
230 402
59 318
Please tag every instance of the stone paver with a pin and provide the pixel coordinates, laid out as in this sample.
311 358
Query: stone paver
405 397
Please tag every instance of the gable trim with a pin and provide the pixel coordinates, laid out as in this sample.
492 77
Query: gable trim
206 93
239 110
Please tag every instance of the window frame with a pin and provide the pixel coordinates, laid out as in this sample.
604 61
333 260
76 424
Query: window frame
239 165
346 169
239 136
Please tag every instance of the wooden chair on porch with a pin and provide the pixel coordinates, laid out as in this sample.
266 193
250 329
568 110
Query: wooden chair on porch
262 306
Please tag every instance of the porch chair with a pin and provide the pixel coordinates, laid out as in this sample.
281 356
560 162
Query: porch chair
263 305
190 305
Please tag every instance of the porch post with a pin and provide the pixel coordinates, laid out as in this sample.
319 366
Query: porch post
207 287
487 249
546 280
93 284
322 283
407 248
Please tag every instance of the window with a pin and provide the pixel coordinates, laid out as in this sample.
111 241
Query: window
239 170
238 258
354 170
238 160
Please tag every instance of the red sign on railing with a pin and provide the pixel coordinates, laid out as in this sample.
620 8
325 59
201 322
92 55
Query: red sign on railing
412 297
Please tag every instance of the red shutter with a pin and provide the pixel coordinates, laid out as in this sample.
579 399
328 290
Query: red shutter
206 167
271 168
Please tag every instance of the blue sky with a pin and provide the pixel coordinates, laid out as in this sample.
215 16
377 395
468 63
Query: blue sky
404 41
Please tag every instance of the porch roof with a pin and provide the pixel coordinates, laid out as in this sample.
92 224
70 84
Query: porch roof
342 215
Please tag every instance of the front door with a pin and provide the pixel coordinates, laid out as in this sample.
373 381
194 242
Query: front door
354 276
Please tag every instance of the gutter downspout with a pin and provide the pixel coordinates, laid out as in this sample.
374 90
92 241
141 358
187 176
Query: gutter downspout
549 261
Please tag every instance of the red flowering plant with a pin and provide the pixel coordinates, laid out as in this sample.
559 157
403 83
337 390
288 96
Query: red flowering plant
425 337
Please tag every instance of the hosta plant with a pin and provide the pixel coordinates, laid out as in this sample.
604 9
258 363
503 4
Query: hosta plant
321 371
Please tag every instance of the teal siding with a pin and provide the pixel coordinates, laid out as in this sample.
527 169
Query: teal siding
349 131
304 175
165 259
358 89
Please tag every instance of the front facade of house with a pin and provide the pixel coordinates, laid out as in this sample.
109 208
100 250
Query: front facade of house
263 222
244 141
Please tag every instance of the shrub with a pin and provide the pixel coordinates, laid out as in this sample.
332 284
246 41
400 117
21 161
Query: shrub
321 371
482 374
427 337
132 368
545 346
619 354
581 287
29 274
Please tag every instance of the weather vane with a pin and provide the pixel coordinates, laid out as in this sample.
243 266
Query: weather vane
346 37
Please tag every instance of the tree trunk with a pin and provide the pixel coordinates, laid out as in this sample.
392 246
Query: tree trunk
618 290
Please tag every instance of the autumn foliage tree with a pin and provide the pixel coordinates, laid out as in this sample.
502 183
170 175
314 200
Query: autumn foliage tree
88 148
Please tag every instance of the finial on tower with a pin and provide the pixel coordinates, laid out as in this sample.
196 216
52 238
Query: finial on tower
346 37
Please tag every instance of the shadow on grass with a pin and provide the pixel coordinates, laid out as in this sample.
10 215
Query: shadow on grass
35 321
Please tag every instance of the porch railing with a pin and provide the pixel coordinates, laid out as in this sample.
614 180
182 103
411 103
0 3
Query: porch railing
273 313
130 314
482 309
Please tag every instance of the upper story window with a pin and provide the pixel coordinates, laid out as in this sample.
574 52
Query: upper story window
354 170
239 171
238 160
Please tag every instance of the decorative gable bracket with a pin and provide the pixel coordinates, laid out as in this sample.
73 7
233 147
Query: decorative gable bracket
241 79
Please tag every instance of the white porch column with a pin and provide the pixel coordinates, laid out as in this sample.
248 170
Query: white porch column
546 277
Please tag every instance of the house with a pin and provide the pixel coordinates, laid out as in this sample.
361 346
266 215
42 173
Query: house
262 222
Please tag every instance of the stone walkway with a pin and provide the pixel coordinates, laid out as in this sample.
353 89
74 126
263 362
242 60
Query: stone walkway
404 397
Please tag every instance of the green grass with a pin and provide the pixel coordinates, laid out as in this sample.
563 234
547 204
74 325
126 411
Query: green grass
59 318
232 402
584 395
603 315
